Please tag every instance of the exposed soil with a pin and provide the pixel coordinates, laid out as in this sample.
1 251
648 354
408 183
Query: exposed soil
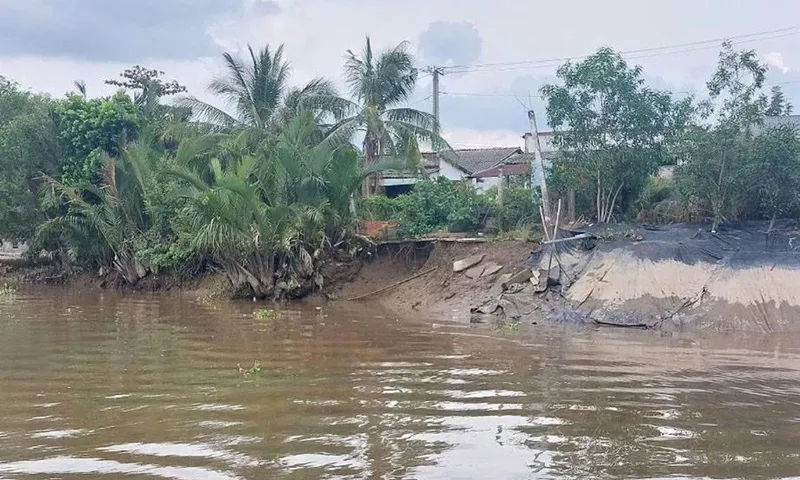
741 278
441 293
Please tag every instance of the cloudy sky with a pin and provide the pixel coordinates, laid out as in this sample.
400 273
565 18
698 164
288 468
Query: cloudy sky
47 44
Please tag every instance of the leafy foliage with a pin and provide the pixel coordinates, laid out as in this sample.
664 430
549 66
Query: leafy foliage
106 231
257 88
378 207
660 202
616 127
380 84
778 104
734 169
770 180
90 128
518 209
29 146
441 204
148 82
263 217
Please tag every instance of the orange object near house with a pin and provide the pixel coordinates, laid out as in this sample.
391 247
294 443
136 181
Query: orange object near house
378 229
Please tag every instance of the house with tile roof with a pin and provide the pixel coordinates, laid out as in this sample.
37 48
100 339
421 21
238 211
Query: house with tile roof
459 164
484 167
520 164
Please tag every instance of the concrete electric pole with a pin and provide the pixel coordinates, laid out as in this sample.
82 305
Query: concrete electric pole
436 72
538 166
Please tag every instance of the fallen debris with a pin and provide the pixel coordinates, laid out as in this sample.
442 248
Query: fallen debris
475 272
465 263
520 277
491 269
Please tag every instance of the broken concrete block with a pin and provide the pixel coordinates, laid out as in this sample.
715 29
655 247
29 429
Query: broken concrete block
539 281
465 263
491 269
475 272
519 277
497 287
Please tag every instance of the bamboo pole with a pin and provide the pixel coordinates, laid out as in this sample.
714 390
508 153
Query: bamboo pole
397 284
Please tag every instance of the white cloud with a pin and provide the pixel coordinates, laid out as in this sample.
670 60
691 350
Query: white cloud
776 59
318 32
468 138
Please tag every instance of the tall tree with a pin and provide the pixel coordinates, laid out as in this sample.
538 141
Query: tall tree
29 146
90 128
380 84
146 83
722 162
612 127
256 86
148 88
778 104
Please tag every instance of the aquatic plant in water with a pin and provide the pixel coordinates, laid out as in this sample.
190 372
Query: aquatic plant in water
264 313
8 290
255 371
508 327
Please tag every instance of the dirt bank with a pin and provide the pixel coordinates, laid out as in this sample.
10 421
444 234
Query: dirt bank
438 292
682 277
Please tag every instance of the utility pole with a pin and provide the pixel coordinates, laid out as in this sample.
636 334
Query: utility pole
539 164
436 72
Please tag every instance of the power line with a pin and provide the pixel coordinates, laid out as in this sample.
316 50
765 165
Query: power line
631 54
468 94
422 100
517 97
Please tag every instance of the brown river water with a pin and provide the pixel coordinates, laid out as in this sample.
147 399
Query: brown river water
101 385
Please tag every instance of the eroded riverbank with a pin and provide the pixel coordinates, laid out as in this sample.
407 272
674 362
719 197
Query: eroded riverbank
672 278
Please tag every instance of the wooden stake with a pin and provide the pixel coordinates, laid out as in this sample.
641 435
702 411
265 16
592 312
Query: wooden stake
558 219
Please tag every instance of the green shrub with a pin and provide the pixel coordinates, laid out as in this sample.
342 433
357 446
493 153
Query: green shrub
378 208
519 211
441 204
661 202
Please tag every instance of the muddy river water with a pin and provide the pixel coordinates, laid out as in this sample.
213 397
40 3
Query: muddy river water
101 385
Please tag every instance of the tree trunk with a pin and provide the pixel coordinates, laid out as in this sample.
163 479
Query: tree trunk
613 202
571 205
371 184
130 269
599 199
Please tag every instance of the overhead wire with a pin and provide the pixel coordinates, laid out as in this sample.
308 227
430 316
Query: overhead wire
629 54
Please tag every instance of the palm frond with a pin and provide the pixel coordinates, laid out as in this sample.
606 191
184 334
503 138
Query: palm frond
207 112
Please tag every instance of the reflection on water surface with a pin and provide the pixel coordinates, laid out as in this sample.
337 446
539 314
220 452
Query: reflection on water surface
97 385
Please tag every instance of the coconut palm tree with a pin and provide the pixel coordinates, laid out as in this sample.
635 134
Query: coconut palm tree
257 88
380 84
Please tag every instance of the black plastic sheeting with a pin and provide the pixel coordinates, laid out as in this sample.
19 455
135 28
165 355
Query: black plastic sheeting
734 247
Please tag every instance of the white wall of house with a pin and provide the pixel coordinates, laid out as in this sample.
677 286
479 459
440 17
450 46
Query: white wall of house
486 183
449 171
545 142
